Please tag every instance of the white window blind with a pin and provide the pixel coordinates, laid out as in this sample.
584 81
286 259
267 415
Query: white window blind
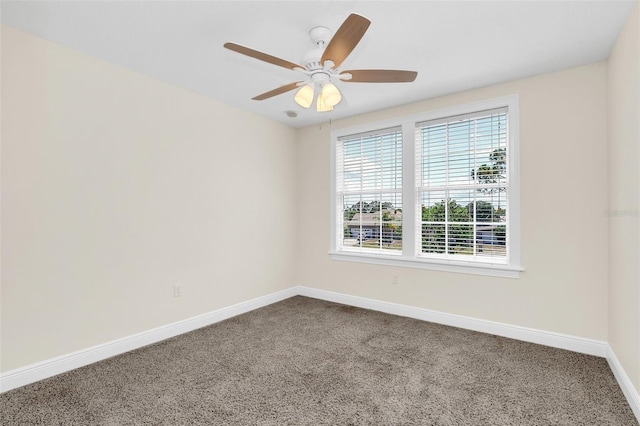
369 191
462 187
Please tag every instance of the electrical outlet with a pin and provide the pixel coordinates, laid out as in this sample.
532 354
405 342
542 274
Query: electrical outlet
177 290
396 280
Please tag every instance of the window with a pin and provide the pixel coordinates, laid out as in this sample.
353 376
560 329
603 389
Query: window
463 186
370 191
434 191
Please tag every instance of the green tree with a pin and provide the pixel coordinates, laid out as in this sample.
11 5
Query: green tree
438 212
494 172
390 231
484 211
348 215
350 212
434 234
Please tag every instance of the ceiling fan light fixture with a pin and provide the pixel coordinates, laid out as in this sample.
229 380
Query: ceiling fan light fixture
330 95
304 96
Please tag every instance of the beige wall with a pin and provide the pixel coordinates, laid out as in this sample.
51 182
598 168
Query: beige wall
115 186
623 90
564 226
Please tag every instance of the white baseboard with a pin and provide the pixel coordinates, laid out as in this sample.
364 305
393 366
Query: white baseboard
556 340
51 367
42 370
629 391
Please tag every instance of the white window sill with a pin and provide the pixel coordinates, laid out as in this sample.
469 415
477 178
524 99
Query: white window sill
475 268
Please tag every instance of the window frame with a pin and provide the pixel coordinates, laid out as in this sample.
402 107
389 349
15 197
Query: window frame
410 255
380 191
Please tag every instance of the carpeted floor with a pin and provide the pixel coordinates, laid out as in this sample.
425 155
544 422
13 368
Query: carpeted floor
309 362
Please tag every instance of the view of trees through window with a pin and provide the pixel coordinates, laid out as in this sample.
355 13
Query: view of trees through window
461 187
450 227
372 190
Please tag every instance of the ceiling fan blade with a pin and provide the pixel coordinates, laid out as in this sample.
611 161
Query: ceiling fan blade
345 39
261 56
278 91
380 76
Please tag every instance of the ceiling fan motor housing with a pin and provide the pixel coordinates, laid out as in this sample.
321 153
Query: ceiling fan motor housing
311 59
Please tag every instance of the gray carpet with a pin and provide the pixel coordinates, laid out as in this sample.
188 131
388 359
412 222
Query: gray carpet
309 362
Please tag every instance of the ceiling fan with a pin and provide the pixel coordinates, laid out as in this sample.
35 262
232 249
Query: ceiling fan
320 66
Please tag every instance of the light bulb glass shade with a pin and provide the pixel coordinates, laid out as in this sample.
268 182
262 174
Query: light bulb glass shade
330 94
321 106
304 96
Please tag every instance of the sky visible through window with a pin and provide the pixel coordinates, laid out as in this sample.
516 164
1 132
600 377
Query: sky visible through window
461 185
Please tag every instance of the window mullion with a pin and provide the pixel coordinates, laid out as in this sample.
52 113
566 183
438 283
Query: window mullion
475 193
446 193
410 224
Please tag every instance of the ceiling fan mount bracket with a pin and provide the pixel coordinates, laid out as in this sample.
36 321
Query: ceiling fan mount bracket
320 36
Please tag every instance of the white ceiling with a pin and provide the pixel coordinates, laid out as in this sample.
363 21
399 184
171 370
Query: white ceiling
453 45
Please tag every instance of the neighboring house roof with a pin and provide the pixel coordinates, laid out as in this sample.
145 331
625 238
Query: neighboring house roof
374 219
